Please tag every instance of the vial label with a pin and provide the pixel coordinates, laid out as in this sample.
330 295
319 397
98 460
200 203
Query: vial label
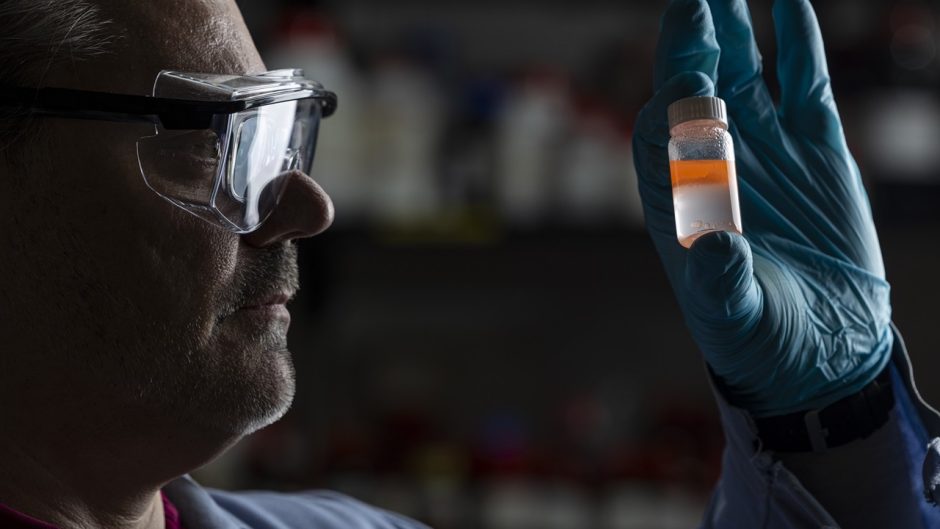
705 198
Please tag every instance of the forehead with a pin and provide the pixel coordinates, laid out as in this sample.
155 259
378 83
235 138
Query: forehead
204 36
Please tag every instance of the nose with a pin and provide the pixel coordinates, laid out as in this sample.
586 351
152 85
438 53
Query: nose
304 210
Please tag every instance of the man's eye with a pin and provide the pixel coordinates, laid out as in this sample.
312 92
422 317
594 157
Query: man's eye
203 162
209 151
190 164
188 156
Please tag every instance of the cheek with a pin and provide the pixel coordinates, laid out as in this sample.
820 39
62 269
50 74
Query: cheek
168 265
163 277
185 273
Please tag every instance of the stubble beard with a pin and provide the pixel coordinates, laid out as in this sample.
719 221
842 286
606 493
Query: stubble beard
222 388
239 377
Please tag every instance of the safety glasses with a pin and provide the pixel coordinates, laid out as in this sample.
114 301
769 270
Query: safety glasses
223 147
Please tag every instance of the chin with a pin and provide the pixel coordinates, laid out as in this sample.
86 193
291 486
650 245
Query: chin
230 392
259 397
273 402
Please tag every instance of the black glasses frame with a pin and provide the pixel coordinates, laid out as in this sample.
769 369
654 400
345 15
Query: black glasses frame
171 114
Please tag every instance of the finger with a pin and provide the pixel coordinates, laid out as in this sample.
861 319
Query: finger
652 124
806 102
740 70
650 152
686 42
723 298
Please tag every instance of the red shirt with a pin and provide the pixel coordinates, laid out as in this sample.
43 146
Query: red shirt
10 519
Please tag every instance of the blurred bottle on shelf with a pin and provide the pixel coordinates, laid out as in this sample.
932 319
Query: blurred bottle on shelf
899 132
308 39
530 133
640 505
520 503
595 186
914 40
406 120
467 161
510 503
442 470
567 506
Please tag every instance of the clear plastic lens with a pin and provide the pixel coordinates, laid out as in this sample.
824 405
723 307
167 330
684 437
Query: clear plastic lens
181 164
262 146
268 143
234 173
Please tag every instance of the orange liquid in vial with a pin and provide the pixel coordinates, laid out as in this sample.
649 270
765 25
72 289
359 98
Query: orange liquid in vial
705 197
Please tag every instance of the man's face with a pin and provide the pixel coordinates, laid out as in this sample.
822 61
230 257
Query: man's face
113 295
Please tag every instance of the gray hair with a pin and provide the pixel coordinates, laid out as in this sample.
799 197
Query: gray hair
36 35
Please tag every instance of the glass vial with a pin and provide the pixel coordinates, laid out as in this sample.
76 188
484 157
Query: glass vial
701 161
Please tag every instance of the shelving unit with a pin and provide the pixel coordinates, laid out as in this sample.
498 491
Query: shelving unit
479 354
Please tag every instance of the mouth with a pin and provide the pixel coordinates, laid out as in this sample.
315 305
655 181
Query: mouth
271 300
265 308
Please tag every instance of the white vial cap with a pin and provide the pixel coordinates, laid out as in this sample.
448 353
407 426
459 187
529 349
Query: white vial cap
698 107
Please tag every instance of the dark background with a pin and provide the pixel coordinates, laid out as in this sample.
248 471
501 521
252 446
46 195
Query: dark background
485 338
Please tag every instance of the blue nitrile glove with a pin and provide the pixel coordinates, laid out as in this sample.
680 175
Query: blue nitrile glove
794 314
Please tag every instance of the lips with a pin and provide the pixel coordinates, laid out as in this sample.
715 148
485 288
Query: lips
270 300
267 309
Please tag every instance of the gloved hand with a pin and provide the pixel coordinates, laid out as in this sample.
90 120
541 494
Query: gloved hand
795 314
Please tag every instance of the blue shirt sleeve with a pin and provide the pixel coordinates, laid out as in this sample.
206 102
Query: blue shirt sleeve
213 509
757 489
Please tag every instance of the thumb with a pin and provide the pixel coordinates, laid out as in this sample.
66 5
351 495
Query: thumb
723 302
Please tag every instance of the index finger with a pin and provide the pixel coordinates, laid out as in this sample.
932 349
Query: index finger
806 101
686 42
740 72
